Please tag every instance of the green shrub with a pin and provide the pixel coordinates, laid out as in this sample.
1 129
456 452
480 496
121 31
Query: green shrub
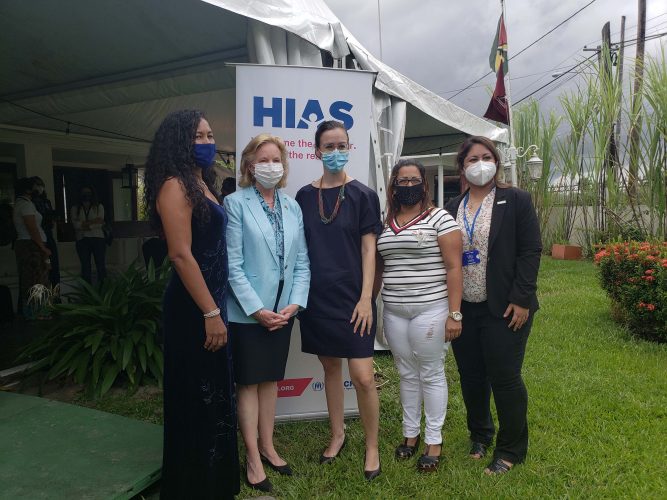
102 334
634 275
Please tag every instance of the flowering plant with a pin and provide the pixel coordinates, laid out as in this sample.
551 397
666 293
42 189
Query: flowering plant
634 275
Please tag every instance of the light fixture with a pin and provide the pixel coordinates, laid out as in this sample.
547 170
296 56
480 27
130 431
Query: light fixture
129 176
534 165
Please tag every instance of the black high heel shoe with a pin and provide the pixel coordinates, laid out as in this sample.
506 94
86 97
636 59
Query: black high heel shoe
327 460
284 470
372 474
264 485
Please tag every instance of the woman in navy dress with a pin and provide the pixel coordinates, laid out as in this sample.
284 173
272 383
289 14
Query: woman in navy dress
200 457
341 219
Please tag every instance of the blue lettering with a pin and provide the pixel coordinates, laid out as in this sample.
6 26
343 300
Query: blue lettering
290 113
275 112
312 108
338 109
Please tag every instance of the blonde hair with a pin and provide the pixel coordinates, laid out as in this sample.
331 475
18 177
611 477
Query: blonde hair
248 158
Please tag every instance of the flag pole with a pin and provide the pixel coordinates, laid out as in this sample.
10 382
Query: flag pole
511 151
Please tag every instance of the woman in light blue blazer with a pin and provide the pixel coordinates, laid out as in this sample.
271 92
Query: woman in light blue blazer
269 277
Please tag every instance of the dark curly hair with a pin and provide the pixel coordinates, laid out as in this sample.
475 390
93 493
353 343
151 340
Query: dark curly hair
171 155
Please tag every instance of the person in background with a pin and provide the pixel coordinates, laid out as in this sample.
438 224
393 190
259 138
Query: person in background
228 187
342 220
45 208
269 277
88 218
200 455
501 259
32 253
420 267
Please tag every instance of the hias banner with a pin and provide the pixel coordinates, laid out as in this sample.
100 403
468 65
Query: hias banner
290 102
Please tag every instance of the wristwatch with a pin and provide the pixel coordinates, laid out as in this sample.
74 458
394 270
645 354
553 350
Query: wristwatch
456 315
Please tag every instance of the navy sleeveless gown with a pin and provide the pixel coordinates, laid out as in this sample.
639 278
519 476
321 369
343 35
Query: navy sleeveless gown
200 457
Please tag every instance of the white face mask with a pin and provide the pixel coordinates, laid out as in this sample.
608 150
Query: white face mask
480 173
268 174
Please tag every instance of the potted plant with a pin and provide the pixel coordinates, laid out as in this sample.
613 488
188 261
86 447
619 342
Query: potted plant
562 250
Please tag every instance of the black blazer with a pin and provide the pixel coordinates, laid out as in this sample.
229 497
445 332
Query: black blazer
515 248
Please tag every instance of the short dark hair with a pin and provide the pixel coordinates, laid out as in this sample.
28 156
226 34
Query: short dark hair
327 125
229 184
23 185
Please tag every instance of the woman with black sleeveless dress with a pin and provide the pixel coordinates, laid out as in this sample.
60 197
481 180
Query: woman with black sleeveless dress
200 457
341 219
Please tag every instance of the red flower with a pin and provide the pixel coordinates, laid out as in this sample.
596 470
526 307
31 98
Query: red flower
648 271
650 307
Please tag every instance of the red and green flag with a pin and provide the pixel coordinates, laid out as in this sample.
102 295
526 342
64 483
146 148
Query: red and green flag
498 109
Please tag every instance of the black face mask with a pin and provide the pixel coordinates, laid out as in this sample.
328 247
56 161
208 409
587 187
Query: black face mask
409 195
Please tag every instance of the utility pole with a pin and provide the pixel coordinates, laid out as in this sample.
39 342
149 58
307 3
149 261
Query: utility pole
636 122
606 82
620 83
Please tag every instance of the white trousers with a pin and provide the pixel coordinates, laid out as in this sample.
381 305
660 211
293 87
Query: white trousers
416 336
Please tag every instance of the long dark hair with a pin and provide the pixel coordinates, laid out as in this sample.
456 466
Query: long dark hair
393 206
467 145
94 200
171 155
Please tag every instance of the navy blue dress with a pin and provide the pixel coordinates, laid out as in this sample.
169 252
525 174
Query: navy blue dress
335 264
200 458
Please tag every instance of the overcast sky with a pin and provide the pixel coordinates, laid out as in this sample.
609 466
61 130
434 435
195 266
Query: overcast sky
444 44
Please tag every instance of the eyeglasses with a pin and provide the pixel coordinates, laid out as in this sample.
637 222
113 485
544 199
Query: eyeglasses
408 181
343 147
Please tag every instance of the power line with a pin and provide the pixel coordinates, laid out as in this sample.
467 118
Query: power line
652 28
627 43
526 48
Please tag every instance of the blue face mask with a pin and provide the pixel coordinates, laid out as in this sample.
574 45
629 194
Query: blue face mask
335 161
204 155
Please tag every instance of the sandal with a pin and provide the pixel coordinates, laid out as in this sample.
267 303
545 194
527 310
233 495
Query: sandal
497 466
478 449
404 450
428 463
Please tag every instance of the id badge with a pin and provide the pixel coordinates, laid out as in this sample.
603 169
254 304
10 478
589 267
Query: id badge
471 257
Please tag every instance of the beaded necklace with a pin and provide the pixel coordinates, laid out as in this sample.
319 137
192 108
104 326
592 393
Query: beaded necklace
339 200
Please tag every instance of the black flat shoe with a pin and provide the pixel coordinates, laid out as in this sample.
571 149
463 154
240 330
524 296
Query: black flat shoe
404 450
497 466
327 460
477 449
372 474
285 470
264 485
428 463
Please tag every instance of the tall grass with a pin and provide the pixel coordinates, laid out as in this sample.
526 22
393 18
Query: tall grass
587 174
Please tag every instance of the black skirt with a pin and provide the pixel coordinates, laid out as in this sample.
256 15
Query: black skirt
259 355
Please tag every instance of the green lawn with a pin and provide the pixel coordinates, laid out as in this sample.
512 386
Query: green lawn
597 416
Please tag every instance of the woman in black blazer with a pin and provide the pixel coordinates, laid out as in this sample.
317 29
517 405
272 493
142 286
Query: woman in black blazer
501 258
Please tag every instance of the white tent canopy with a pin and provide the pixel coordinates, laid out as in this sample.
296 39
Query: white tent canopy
119 67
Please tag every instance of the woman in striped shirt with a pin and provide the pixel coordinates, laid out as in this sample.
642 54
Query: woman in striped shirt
420 250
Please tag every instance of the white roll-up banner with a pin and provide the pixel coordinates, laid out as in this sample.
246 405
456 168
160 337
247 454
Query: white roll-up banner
290 102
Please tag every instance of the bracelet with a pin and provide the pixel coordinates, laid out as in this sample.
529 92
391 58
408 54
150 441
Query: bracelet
212 314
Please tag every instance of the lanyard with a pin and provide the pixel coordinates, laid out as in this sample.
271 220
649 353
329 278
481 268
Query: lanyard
470 229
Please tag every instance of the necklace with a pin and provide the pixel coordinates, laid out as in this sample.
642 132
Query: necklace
339 200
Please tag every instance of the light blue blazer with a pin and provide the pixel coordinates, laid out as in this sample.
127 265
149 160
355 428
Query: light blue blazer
253 264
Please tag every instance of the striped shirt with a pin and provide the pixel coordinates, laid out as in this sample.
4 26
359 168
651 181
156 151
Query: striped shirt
414 272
